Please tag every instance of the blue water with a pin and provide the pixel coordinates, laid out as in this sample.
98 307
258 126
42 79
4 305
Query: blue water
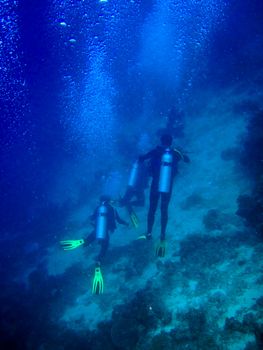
85 87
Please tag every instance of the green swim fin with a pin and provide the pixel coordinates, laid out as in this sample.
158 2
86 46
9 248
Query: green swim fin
98 283
133 217
71 244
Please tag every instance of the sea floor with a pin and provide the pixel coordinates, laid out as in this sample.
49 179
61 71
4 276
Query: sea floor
209 285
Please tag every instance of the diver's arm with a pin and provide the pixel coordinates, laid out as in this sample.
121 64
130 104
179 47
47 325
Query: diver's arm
148 155
181 155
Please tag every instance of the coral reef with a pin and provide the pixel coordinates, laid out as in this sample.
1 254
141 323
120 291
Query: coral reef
132 321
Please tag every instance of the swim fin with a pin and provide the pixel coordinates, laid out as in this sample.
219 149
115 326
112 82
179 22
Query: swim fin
71 244
145 236
98 283
160 249
133 217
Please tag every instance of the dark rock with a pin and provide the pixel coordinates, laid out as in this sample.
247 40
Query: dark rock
162 341
233 325
251 346
213 220
193 201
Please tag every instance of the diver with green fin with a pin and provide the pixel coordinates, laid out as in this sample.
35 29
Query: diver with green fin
105 217
163 168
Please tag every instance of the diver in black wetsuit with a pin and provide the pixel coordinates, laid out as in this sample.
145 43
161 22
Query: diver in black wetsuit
134 194
156 160
103 235
104 218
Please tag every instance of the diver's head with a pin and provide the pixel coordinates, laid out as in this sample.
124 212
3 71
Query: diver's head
166 140
105 199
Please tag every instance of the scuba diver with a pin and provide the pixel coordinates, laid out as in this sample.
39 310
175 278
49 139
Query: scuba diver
174 123
134 195
163 166
104 217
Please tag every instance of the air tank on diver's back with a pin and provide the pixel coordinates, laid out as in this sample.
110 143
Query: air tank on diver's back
134 174
166 171
101 222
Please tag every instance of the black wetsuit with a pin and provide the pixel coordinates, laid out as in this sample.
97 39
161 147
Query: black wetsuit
135 195
155 157
112 218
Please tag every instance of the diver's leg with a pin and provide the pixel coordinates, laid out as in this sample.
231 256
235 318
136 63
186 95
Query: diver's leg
165 199
154 196
127 196
140 199
91 238
104 245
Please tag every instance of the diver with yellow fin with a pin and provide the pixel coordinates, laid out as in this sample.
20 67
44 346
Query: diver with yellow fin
105 217
163 168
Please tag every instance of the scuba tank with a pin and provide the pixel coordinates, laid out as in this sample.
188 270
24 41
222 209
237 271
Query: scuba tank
134 174
101 222
166 171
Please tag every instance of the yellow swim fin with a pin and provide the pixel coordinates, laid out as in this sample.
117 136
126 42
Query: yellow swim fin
145 236
160 249
133 217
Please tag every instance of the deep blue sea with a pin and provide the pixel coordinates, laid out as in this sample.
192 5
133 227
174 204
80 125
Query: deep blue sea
87 86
